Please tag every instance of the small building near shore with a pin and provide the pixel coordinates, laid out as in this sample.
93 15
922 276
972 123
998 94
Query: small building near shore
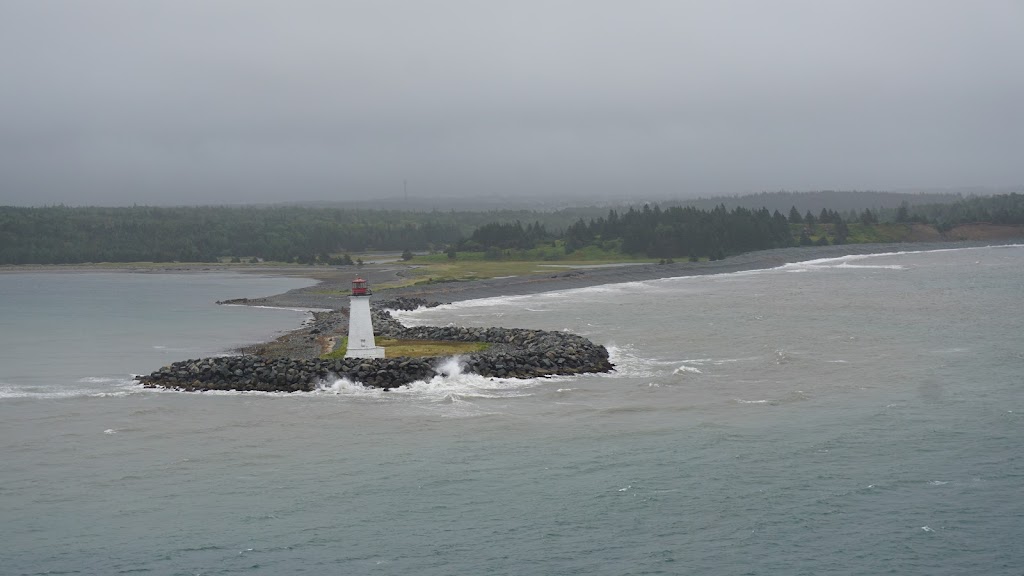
360 325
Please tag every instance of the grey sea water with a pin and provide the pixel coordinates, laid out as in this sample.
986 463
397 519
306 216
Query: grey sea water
857 415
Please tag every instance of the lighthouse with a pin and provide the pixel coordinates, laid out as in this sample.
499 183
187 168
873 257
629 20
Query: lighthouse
360 326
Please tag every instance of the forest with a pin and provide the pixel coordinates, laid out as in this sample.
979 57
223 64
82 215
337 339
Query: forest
73 235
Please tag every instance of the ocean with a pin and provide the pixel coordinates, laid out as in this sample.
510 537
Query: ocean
856 415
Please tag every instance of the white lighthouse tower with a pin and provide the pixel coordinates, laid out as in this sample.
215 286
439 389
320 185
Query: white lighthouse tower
360 327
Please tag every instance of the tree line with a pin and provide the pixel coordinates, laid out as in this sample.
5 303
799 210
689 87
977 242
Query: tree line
1003 209
58 235
686 231
67 235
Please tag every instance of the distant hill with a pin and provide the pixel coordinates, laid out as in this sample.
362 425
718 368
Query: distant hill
840 201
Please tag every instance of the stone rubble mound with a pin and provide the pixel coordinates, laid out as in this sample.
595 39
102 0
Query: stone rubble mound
514 353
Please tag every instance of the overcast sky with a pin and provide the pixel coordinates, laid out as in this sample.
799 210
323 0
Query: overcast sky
215 101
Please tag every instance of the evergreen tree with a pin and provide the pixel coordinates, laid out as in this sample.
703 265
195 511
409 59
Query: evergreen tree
903 212
868 218
842 231
794 216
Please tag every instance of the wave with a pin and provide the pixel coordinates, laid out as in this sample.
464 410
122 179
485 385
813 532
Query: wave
99 380
104 387
840 262
413 317
871 266
787 398
844 261
168 348
451 385
687 369
630 364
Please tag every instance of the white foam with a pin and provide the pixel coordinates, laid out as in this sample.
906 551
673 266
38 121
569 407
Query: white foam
451 385
684 368
732 360
630 365
872 266
114 388
85 387
346 387
411 318
741 401
841 262
99 380
844 261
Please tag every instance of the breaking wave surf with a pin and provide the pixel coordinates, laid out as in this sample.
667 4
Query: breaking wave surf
86 387
453 384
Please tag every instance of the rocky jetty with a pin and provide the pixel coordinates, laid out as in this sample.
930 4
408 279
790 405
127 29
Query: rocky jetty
405 303
514 353
256 373
237 301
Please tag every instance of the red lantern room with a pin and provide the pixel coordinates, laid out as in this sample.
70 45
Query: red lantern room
359 287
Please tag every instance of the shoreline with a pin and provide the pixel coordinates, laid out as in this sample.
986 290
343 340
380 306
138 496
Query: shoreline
333 283
308 340
566 279
327 303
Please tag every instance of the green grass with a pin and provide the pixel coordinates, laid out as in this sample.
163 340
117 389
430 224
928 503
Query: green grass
469 266
878 233
397 348
339 350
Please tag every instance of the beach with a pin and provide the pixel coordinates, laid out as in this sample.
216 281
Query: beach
335 282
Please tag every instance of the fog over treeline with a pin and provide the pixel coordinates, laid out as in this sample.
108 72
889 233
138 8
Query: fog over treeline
840 200
325 235
189 102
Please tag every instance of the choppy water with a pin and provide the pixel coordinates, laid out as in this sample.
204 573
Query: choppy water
75 334
852 416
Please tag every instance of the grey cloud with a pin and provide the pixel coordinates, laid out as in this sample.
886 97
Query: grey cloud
191 101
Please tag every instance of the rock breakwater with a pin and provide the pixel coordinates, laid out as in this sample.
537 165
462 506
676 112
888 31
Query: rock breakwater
514 353
406 303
